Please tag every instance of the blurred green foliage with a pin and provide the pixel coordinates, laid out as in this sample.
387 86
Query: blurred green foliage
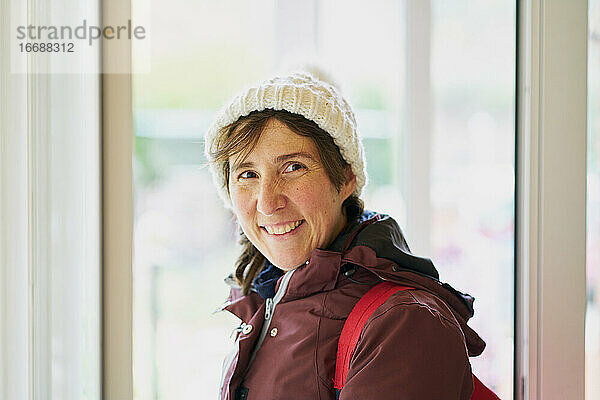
379 161
153 156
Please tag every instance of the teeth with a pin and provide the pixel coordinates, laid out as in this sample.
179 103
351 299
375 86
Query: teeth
280 230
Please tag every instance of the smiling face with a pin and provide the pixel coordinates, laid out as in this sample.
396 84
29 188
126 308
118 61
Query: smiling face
283 198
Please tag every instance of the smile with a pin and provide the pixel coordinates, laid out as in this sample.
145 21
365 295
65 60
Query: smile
283 228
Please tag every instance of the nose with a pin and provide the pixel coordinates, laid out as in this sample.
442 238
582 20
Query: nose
270 197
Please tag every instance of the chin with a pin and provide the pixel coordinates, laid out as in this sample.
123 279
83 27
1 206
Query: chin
288 264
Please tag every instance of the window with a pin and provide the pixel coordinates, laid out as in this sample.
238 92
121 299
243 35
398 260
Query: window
433 90
432 83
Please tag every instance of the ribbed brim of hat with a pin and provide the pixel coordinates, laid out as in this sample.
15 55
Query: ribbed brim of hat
299 93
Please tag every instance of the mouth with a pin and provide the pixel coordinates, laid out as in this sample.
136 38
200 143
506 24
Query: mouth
287 228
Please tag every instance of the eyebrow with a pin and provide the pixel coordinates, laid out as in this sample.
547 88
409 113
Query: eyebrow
279 159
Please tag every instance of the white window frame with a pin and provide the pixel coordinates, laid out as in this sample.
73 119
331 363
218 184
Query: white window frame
117 208
50 265
551 178
14 247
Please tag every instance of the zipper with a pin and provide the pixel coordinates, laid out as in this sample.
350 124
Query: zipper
270 305
268 309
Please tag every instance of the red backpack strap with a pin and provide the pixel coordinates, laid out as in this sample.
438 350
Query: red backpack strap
354 325
357 319
482 392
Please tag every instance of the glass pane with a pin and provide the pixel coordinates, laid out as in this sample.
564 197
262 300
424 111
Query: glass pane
203 52
592 326
472 180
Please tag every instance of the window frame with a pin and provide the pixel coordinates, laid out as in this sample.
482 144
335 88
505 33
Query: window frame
50 266
551 100
117 208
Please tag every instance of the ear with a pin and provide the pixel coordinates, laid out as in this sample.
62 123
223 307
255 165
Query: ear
348 188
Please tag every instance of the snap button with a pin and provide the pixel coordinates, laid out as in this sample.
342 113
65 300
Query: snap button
274 332
247 329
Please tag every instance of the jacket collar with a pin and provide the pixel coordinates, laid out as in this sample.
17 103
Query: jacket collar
373 241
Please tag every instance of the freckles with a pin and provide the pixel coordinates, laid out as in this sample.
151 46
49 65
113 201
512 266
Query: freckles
241 200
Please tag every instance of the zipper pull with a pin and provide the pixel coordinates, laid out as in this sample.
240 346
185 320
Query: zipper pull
268 309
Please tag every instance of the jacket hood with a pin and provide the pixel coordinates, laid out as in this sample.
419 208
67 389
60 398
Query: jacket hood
373 239
383 235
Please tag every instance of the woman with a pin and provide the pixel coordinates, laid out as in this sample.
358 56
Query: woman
286 158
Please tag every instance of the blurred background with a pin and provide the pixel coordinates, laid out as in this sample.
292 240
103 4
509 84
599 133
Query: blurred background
433 88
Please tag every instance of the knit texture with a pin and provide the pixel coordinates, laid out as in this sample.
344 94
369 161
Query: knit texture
300 93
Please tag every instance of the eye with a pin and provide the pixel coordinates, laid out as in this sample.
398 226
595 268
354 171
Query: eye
247 175
295 166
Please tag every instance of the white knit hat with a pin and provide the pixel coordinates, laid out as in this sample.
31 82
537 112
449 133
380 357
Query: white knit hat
299 93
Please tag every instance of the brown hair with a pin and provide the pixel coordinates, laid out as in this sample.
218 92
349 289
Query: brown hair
240 138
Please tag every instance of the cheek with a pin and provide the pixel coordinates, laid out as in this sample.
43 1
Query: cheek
315 199
241 202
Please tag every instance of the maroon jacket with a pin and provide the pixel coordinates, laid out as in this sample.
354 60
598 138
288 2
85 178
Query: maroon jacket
415 346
